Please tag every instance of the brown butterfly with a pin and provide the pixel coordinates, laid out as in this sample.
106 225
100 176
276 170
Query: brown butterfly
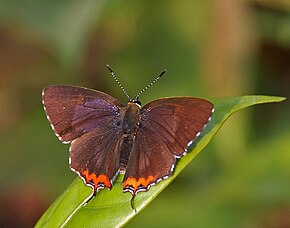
109 138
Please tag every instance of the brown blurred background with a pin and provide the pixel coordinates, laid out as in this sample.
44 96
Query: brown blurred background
212 48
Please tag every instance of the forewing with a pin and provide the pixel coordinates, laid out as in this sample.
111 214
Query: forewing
167 128
73 111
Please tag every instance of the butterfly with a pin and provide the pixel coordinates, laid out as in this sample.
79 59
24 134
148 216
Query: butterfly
108 138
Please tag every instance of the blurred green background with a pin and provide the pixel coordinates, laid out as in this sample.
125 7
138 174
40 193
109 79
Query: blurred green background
213 48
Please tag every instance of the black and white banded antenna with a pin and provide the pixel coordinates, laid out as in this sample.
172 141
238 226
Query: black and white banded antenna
119 83
149 85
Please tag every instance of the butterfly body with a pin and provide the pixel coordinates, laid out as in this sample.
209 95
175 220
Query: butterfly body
129 129
108 138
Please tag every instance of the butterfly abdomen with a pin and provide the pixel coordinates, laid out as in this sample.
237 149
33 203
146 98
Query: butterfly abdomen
125 151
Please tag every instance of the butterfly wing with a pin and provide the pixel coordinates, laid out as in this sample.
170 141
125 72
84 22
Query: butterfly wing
90 121
73 111
95 157
167 128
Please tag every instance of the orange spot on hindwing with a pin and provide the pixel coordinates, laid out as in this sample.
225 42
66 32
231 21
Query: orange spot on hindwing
98 181
133 185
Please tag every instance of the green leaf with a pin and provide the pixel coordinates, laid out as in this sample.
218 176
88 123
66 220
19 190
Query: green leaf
112 208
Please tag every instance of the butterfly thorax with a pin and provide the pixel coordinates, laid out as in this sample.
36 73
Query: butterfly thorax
129 126
131 118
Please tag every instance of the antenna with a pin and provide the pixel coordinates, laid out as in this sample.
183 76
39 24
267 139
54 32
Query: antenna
119 83
149 85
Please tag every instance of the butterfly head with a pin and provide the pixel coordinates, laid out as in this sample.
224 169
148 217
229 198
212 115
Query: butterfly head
135 101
